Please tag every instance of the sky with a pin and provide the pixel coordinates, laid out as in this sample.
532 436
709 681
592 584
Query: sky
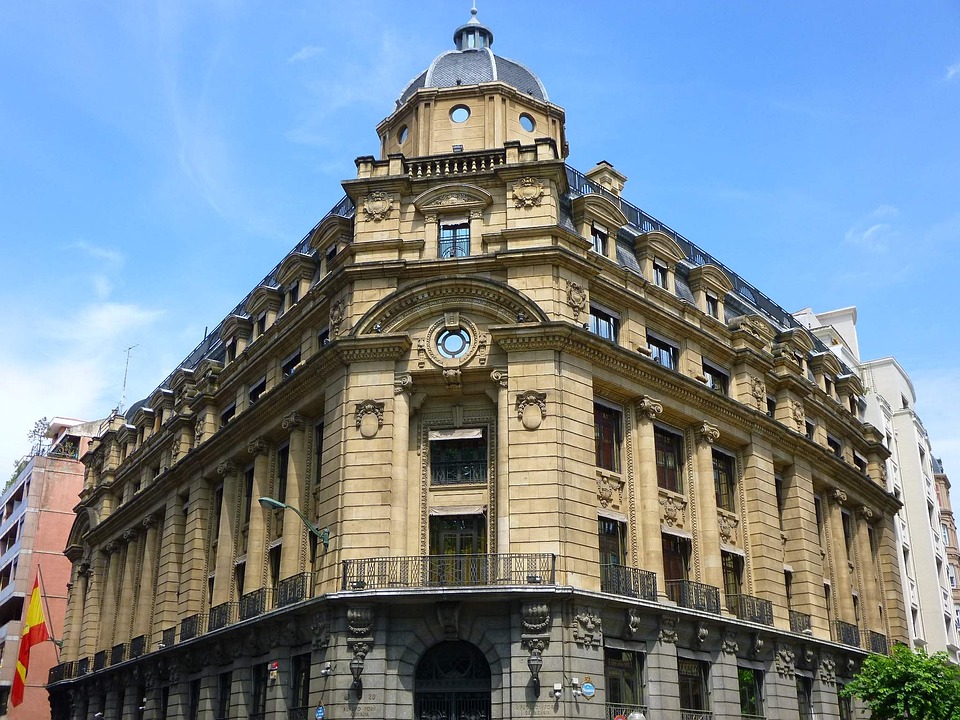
157 159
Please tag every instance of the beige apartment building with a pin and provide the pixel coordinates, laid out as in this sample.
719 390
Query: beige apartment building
558 462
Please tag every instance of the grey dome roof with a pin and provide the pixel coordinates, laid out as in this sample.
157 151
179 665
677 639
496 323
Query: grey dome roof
474 62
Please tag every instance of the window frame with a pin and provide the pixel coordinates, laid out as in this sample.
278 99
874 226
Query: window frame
659 346
608 436
662 437
725 491
599 237
451 236
716 379
604 323
475 454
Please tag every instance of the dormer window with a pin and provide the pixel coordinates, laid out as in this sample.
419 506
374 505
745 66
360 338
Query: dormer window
261 324
293 294
228 414
598 238
231 350
713 306
660 274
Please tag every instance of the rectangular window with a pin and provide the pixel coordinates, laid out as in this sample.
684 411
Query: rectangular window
694 694
228 414
301 681
294 293
751 692
809 429
323 338
231 350
283 467
623 671
660 274
724 481
193 700
318 452
713 306
289 365
771 406
611 534
239 574
847 522
860 463
217 510
247 494
258 389
732 565
598 238
835 447
716 379
224 691
455 240
261 324
604 324
676 557
778 489
669 451
607 424
663 352
273 563
845 704
805 697
458 457
258 691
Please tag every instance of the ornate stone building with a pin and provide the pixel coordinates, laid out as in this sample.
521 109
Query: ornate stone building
559 462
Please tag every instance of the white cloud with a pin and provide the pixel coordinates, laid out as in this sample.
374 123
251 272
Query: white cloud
875 231
305 53
98 253
952 72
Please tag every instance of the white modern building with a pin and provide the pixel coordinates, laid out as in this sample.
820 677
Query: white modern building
890 406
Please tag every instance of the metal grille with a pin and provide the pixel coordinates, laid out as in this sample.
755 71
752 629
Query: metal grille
450 570
611 711
847 633
694 595
452 706
632 582
118 653
221 616
190 627
100 660
253 604
137 646
751 609
83 666
875 642
293 589
799 622
169 636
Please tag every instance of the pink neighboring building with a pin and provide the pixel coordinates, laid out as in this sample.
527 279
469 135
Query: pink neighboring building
36 513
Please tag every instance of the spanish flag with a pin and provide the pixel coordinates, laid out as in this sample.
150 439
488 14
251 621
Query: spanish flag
34 633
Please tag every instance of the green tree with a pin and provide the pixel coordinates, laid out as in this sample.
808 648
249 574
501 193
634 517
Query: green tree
908 684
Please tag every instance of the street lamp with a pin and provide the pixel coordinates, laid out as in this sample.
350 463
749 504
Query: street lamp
356 668
323 536
534 663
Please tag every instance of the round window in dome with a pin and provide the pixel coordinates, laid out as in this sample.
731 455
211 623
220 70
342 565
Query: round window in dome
527 123
453 343
460 114
402 135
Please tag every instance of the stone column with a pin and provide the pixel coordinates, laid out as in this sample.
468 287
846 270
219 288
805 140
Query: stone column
501 378
109 611
169 557
706 539
226 538
663 699
476 232
125 608
147 590
193 580
648 490
92 588
402 387
841 586
294 533
73 622
870 596
431 235
255 574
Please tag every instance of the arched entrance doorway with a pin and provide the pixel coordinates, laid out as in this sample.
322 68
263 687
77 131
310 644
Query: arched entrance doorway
452 682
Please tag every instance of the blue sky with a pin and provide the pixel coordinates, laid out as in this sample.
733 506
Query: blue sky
158 158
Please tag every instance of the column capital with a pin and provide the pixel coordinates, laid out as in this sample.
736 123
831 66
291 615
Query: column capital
648 408
150 521
500 378
258 446
837 496
112 547
707 433
227 467
293 421
403 383
130 534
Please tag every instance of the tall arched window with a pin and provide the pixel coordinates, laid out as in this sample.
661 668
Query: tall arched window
452 683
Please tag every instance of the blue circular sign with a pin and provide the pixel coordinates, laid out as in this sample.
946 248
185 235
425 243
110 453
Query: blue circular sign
588 690
320 712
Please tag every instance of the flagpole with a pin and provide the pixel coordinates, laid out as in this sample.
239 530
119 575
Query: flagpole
49 618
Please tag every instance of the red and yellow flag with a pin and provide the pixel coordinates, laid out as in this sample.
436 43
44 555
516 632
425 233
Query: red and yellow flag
34 633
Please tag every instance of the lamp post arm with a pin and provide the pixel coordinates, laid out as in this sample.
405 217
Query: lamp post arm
310 526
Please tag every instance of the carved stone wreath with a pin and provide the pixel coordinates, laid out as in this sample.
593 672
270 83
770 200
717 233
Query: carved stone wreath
576 298
727 525
377 206
527 192
369 417
531 408
759 391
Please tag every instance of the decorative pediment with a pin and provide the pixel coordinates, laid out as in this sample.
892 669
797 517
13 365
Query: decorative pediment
453 197
263 298
595 206
296 266
661 245
333 230
235 326
709 277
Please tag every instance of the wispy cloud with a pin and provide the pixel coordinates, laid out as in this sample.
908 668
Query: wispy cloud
952 72
875 231
97 252
305 53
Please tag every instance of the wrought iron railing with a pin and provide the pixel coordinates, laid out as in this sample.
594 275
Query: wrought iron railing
294 589
613 710
305 712
222 615
800 622
118 653
191 626
253 603
450 570
694 595
751 609
695 714
846 633
83 666
169 636
57 673
875 642
137 646
629 581
100 660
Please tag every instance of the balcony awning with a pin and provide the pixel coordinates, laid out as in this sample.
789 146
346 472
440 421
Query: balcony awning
611 515
732 549
459 510
676 531
456 434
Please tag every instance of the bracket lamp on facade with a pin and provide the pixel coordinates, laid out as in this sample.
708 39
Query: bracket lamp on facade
535 662
356 668
322 535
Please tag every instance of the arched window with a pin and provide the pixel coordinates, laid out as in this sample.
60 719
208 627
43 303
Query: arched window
452 683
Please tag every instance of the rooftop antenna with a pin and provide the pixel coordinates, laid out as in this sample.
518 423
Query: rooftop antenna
123 390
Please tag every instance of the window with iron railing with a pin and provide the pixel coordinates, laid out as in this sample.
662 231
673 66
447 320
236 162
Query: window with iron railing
454 240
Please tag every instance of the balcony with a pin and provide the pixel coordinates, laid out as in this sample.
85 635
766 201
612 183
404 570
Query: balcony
846 633
467 163
253 604
100 660
168 637
190 627
294 589
800 622
694 595
695 714
450 571
118 653
612 711
138 646
875 642
83 666
751 609
222 615
632 582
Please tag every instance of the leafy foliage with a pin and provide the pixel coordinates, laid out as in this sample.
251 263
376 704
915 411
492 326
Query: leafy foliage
908 684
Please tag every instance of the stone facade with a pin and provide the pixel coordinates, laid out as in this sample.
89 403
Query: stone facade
556 460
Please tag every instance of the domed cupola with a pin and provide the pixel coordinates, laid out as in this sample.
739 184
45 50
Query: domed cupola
470 99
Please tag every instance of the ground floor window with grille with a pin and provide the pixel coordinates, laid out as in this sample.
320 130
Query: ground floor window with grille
258 692
452 680
300 701
805 697
624 675
751 693
458 544
694 692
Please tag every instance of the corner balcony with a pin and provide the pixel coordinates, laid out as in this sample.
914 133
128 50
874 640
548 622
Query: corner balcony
875 642
628 581
455 571
694 595
846 633
751 609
